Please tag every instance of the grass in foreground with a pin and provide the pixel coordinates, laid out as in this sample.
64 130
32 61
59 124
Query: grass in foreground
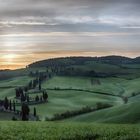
67 131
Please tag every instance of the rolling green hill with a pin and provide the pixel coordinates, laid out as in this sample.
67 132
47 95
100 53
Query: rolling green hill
15 82
128 113
61 101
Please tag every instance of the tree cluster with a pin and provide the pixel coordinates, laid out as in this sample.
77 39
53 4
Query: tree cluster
8 104
42 97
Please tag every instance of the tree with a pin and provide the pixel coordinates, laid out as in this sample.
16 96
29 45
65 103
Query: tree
17 93
23 97
10 105
41 98
37 98
6 103
45 95
34 112
26 88
25 112
39 85
28 98
30 85
35 82
14 106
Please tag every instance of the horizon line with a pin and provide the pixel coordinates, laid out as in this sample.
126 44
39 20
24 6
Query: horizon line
25 66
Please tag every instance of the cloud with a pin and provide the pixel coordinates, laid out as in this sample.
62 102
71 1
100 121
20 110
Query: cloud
101 26
72 34
70 12
10 23
130 27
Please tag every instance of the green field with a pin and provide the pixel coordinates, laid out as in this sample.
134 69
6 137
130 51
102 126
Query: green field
15 82
116 86
73 93
128 113
107 85
61 101
67 131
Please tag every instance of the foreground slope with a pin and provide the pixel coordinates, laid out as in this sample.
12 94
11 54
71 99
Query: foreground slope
67 131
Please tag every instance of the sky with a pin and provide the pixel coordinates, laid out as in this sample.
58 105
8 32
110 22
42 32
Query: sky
32 30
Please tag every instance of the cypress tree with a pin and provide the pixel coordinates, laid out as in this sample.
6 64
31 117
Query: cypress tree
10 105
14 106
6 103
34 112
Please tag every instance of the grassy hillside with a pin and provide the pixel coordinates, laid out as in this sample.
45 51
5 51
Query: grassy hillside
9 92
128 113
67 131
116 86
61 101
7 87
106 85
15 82
63 97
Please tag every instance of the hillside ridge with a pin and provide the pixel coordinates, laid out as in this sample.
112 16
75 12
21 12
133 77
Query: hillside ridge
80 60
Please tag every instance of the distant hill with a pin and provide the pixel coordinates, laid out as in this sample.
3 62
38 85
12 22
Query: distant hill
68 61
136 60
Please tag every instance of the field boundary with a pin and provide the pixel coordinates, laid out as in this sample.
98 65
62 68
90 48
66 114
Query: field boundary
102 93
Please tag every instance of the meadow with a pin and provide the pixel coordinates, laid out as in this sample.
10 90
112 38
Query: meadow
68 131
